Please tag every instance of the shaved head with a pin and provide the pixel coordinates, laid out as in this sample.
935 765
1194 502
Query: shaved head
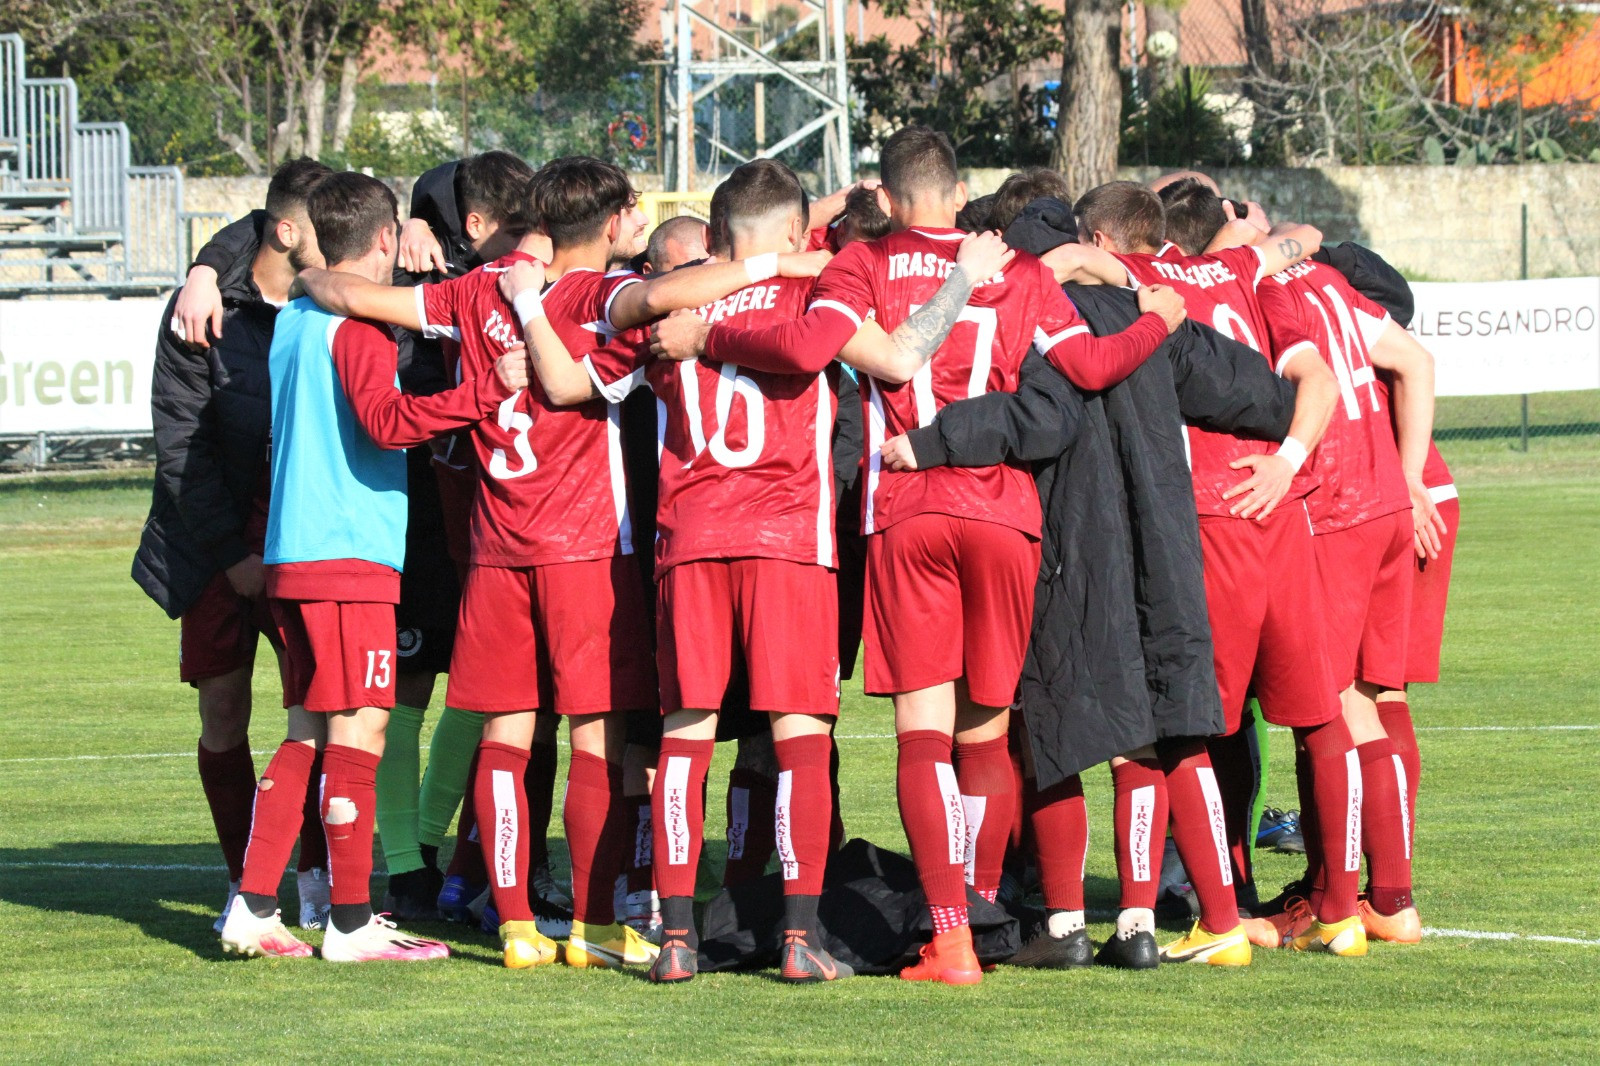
1181 175
675 242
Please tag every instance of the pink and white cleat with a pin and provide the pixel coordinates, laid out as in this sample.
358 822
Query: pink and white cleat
245 934
379 941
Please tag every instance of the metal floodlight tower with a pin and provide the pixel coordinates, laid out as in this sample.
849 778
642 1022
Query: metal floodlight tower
732 59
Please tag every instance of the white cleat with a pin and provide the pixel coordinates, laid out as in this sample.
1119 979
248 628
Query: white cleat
315 902
227 905
379 941
245 934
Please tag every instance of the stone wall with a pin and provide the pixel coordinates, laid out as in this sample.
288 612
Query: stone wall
1440 223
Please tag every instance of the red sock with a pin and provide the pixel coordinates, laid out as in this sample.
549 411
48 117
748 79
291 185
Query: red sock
1237 765
1335 777
349 806
313 840
1310 826
989 797
640 875
228 779
466 862
1060 826
678 814
751 800
1384 836
593 815
502 809
1395 715
1019 812
539 784
275 820
1140 819
935 821
803 812
1199 828
836 822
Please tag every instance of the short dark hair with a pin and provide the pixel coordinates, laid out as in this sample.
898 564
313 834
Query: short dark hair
753 192
918 159
676 228
348 210
573 197
1126 210
864 215
494 185
1022 189
1194 215
291 185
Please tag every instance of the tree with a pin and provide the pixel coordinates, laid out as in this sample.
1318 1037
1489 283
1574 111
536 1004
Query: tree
1089 120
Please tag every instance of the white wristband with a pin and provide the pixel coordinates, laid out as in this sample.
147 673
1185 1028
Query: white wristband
1293 451
762 267
528 305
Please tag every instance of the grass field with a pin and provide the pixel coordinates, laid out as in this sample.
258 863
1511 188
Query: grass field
110 876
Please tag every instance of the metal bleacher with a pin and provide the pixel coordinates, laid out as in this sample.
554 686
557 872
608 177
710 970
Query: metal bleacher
75 216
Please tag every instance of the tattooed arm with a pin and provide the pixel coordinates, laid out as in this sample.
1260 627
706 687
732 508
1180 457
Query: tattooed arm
895 358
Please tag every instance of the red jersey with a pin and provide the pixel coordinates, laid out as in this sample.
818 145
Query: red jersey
1436 476
746 468
1357 462
551 486
1219 290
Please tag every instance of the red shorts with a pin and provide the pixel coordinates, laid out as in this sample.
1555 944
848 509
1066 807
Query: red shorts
572 638
1430 588
782 617
336 656
1266 613
949 598
217 635
1366 574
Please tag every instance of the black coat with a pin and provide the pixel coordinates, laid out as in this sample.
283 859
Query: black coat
1120 654
212 416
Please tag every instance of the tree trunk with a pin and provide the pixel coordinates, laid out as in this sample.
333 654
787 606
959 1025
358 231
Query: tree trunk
345 112
1090 116
316 107
1159 17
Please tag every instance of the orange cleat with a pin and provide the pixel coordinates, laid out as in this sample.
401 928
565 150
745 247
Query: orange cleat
949 958
1279 929
1402 927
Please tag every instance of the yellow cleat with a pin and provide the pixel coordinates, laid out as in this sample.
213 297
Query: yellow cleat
1216 949
1346 938
606 947
525 946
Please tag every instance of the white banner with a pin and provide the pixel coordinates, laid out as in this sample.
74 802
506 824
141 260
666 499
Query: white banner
75 366
1497 338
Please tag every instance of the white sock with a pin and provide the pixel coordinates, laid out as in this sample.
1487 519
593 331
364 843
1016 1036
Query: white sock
1062 924
1135 920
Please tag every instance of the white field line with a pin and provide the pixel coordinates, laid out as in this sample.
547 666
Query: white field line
839 736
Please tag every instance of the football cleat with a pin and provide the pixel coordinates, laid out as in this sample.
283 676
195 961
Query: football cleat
314 900
1401 927
1137 952
455 899
643 911
1280 831
803 964
948 958
554 919
605 947
677 960
543 885
1046 952
245 934
1216 949
1277 930
227 905
1345 937
526 947
1299 888
413 896
379 941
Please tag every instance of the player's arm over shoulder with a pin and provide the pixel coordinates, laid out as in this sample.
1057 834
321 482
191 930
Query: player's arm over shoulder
356 297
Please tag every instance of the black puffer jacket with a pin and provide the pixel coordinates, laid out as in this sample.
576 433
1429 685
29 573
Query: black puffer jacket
212 413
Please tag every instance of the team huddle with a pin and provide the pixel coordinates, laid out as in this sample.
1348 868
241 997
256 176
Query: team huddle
1105 479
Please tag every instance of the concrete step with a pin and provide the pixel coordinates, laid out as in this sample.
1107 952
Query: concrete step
60 244
78 287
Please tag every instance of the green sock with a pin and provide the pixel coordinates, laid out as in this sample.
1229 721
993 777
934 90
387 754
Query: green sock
1260 726
455 741
397 790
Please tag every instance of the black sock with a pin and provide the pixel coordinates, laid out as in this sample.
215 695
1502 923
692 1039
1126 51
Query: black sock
348 917
430 855
259 905
800 916
677 920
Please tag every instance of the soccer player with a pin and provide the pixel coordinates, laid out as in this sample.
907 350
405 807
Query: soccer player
1369 516
552 536
955 544
200 551
675 242
335 543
